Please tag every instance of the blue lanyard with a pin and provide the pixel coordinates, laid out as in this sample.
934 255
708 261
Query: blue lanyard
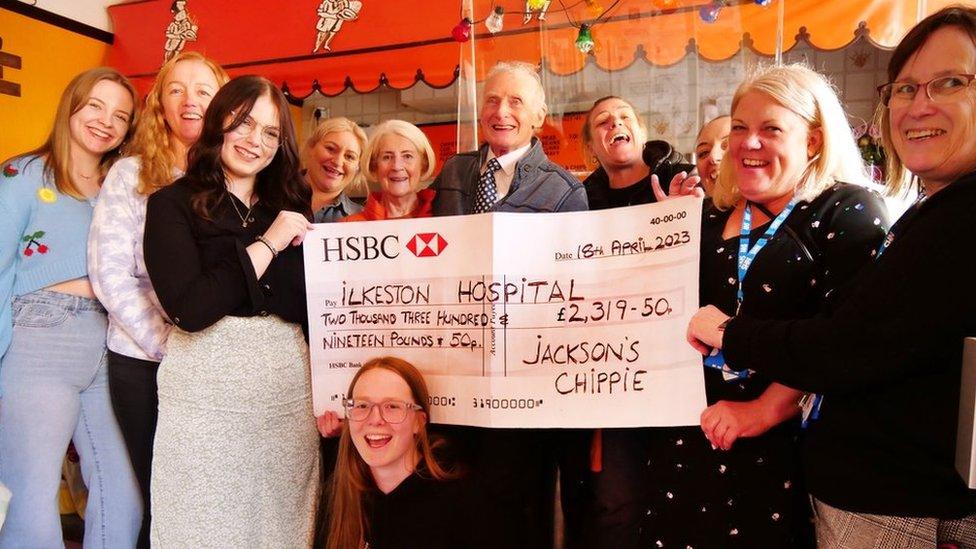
746 256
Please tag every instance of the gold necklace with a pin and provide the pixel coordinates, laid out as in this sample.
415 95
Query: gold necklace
246 216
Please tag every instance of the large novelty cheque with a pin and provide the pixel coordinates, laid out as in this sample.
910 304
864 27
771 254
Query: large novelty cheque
516 320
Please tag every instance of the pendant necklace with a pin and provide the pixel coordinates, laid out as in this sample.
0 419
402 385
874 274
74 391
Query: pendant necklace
246 216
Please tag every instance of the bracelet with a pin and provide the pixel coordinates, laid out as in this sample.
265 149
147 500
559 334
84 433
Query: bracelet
261 238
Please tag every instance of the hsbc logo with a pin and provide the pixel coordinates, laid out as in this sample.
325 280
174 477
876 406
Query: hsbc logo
359 248
426 244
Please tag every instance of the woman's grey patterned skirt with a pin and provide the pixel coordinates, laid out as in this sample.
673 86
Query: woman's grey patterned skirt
236 460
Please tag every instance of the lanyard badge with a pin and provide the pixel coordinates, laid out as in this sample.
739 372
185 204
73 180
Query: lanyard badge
746 256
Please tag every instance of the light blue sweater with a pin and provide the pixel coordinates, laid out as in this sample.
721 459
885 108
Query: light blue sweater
43 236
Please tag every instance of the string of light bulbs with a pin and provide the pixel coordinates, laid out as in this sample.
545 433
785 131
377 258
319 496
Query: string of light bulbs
495 20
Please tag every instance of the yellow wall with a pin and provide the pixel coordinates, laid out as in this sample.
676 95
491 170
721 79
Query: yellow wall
50 58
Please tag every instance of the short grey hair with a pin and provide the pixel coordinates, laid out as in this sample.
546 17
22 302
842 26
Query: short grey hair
521 67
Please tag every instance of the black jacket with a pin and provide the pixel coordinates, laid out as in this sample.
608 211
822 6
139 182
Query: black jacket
888 362
664 162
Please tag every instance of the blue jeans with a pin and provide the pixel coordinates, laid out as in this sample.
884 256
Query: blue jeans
54 388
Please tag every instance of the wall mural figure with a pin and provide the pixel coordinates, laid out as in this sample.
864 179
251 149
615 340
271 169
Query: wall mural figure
179 31
532 6
332 13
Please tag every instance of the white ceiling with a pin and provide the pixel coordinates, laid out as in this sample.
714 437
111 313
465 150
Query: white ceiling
89 12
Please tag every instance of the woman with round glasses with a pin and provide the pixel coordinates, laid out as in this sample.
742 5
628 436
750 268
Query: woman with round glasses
879 459
389 489
235 459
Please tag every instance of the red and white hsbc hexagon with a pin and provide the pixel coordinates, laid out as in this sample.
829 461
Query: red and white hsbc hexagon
426 244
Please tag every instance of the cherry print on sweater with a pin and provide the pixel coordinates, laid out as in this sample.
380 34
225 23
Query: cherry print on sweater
33 243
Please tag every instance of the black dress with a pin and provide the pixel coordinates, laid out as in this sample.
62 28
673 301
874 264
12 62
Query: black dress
752 495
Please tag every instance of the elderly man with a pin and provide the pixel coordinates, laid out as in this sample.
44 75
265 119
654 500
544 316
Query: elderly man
510 173
514 469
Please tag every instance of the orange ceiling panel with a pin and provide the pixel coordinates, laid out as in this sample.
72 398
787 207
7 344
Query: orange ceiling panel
398 43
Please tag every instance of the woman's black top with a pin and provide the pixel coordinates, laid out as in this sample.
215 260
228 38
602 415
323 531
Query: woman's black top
887 360
659 156
819 248
200 269
422 513
753 495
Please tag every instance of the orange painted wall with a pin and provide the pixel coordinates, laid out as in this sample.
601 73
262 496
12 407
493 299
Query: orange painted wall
50 58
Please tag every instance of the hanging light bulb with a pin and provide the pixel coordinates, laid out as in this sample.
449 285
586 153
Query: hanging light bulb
495 21
536 4
665 5
709 13
584 40
462 32
594 8
764 3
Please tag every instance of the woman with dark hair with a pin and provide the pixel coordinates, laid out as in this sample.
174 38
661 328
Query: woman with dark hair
235 458
604 497
879 452
628 167
389 489
53 375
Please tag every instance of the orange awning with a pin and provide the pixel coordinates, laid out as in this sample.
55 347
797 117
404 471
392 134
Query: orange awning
400 43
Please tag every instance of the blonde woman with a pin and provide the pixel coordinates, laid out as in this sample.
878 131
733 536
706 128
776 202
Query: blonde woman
331 159
137 329
880 460
791 223
53 377
400 161
710 146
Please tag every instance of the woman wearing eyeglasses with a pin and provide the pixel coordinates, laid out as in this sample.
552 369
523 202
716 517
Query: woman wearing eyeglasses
879 460
389 489
235 458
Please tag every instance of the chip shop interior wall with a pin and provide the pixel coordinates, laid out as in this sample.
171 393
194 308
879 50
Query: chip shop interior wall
50 57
